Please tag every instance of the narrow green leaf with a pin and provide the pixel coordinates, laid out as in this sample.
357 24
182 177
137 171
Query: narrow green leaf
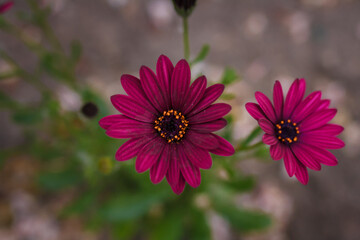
81 204
256 132
202 54
229 76
241 183
227 96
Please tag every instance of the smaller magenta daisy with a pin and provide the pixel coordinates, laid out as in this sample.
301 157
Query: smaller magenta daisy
169 123
297 130
5 6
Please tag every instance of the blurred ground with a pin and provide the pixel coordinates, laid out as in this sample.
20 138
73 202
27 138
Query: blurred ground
264 40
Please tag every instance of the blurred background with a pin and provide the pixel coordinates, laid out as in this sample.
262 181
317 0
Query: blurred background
58 175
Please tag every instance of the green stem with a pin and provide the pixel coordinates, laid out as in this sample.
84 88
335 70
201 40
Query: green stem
240 148
22 73
186 38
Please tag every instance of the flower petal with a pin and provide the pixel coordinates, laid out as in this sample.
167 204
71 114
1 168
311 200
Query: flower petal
133 88
132 147
306 107
6 6
224 149
301 153
210 95
266 106
131 108
255 110
159 169
107 121
322 141
278 100
211 113
190 172
294 96
302 173
173 173
317 119
179 186
327 129
180 82
149 154
321 155
196 92
266 126
202 140
290 162
150 84
198 156
277 151
209 126
269 139
324 104
164 70
127 128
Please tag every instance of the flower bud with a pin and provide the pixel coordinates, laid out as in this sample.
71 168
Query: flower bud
89 110
184 7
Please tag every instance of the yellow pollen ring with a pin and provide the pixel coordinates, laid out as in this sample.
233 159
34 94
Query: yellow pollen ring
280 129
158 124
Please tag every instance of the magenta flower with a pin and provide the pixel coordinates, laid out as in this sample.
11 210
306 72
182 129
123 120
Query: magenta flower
169 123
5 6
297 130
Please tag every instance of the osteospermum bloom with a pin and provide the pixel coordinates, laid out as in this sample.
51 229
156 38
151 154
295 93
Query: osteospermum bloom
169 123
297 130
5 6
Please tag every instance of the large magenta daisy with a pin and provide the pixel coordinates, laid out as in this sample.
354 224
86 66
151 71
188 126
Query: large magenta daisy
297 130
169 123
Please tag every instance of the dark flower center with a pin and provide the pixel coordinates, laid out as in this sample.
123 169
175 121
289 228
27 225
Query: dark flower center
287 131
171 125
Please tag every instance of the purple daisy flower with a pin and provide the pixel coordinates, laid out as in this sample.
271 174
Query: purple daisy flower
297 130
169 123
5 6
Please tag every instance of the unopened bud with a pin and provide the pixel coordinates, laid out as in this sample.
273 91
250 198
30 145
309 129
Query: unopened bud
184 7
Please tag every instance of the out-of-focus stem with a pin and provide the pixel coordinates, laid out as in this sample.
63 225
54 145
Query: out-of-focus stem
186 38
240 148
244 145
22 73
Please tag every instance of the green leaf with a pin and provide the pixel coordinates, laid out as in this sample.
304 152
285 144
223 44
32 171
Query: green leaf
244 220
256 132
53 65
202 54
125 230
81 204
27 116
168 228
229 76
127 207
241 184
54 181
200 229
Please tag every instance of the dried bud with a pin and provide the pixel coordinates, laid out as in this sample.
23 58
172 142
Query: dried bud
89 110
184 7
5 6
